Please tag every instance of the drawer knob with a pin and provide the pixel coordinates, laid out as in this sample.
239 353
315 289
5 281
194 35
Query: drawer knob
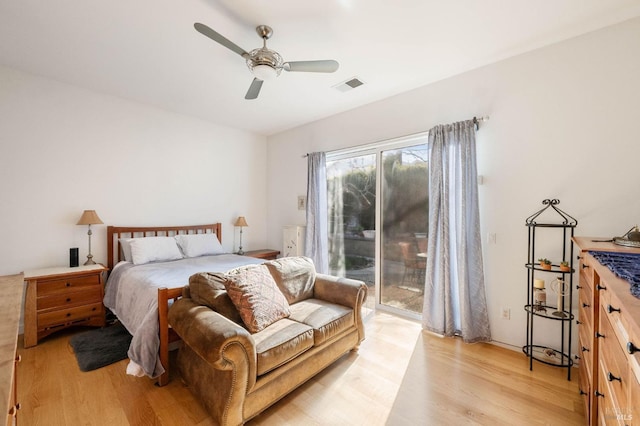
631 348
578 257
68 284
586 305
584 266
584 349
599 335
611 377
578 287
596 393
578 322
611 309
582 392
601 287
68 314
577 357
68 299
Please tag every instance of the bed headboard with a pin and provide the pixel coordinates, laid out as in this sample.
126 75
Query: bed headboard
114 233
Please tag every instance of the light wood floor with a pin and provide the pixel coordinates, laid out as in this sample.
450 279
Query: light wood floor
447 382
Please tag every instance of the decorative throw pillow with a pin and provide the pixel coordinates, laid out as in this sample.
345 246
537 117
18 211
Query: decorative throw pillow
154 249
295 277
256 296
207 288
194 245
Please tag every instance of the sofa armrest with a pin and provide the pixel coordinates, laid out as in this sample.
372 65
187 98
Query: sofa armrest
343 291
219 341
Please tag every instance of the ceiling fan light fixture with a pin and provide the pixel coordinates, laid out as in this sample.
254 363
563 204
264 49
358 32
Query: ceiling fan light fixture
264 72
265 64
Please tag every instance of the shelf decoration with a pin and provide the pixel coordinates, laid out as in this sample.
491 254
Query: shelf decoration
560 287
539 296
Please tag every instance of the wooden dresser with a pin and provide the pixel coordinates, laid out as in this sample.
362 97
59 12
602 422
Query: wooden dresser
10 306
609 339
61 297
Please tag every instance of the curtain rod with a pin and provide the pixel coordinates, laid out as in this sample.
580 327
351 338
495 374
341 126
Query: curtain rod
476 121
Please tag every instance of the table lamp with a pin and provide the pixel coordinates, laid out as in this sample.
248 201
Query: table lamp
89 217
241 222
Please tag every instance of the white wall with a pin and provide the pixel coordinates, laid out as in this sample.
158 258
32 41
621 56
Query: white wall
563 125
64 149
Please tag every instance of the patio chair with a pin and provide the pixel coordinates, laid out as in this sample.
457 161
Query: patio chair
414 266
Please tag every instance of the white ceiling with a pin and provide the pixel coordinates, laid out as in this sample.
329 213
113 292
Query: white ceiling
148 50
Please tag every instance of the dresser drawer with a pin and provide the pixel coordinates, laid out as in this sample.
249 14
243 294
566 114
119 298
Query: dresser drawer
47 287
585 347
65 316
613 362
585 389
83 296
585 309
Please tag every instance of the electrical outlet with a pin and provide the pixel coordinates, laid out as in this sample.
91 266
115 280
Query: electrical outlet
491 238
506 313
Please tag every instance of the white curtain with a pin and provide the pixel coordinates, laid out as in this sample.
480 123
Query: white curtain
454 297
316 245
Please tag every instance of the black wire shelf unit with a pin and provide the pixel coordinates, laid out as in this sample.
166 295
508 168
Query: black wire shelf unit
550 216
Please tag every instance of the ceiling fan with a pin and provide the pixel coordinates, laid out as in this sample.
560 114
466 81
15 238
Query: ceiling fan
264 63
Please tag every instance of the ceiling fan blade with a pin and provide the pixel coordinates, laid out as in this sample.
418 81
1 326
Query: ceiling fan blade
254 89
216 36
311 66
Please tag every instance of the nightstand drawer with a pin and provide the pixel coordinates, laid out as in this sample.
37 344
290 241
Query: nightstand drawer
70 315
47 287
62 300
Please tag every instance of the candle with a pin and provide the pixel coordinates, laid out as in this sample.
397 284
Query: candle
538 283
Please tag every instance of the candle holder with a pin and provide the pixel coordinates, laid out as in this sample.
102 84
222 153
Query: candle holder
561 288
539 296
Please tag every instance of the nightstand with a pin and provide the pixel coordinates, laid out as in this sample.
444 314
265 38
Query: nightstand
267 254
58 298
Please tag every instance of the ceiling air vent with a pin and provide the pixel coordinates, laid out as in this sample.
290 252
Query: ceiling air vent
350 84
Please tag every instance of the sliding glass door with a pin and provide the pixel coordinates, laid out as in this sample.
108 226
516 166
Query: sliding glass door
378 221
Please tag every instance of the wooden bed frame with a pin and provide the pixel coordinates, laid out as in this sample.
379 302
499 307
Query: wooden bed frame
114 255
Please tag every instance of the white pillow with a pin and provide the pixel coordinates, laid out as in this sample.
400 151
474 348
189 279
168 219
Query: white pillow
125 244
194 245
153 249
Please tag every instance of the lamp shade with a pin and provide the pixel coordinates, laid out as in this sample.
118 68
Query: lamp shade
241 221
89 217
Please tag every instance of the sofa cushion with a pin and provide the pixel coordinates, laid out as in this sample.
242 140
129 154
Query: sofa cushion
326 319
256 296
281 342
295 277
206 288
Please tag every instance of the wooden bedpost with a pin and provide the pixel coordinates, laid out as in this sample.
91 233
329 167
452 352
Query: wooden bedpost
163 311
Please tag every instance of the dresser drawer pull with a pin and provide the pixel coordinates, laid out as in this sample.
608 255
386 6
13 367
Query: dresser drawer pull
584 349
13 411
68 299
611 377
578 287
631 348
68 284
586 305
599 335
584 266
601 287
578 322
596 393
68 314
582 392
611 309
577 357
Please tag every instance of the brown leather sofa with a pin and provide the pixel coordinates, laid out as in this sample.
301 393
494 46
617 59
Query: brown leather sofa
236 374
